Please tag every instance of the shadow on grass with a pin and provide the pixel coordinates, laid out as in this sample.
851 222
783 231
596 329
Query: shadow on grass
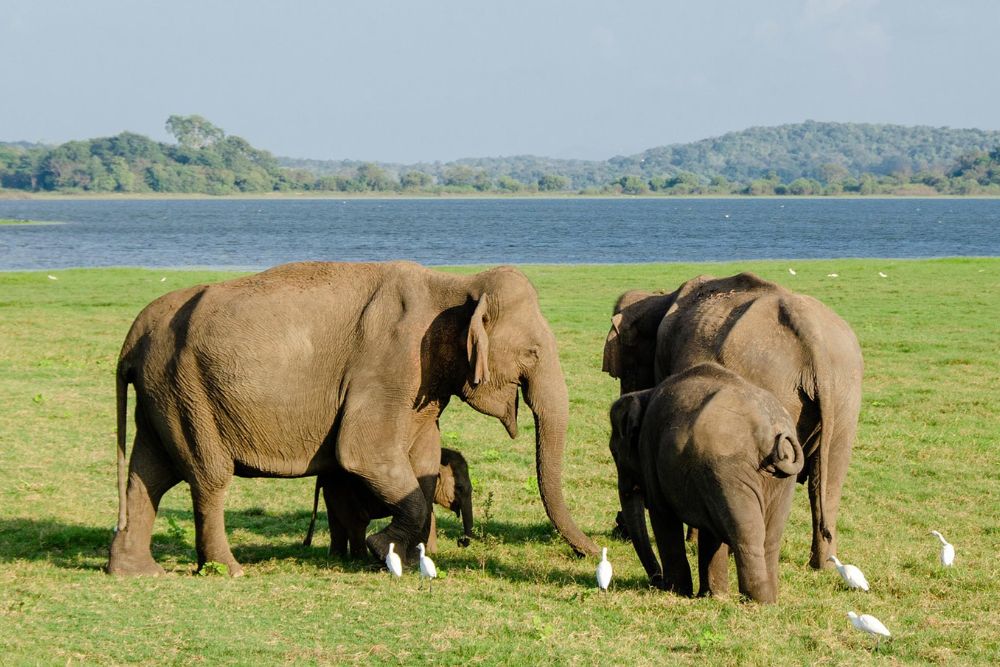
280 538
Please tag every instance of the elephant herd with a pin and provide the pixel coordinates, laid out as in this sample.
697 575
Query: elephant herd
732 389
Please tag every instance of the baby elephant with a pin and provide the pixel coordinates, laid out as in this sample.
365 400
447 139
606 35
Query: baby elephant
709 449
350 506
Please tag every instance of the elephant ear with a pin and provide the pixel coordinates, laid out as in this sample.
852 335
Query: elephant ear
626 419
478 345
612 348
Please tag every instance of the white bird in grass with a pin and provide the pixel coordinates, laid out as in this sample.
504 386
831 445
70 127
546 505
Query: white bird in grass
392 561
427 569
852 576
947 550
791 271
832 275
871 625
882 275
51 277
604 571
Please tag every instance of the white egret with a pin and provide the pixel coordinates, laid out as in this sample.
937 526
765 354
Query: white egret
832 275
427 569
852 576
51 277
604 571
870 624
882 275
947 550
791 271
392 561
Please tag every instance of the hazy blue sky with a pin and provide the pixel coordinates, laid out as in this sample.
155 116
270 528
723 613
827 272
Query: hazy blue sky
421 80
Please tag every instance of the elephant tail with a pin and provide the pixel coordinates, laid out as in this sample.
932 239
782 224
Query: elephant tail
817 382
312 520
121 400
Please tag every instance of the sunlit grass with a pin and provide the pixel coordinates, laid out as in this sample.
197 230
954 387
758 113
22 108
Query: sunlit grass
926 458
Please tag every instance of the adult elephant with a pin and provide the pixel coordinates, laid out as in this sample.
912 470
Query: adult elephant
789 344
309 366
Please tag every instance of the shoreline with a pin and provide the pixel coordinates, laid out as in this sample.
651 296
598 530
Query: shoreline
7 195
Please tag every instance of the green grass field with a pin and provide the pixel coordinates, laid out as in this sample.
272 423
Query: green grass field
926 458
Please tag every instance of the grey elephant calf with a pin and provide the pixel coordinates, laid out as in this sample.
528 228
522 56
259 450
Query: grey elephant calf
709 449
350 508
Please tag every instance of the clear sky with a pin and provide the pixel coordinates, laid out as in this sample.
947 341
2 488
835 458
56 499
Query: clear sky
423 80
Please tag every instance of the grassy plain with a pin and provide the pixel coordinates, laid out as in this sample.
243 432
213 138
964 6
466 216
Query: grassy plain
926 458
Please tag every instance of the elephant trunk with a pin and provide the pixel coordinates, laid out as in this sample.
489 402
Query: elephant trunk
466 511
545 393
634 513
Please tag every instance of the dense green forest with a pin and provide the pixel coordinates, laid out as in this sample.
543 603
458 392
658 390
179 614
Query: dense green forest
810 158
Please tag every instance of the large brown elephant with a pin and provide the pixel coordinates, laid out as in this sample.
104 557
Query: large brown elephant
707 448
307 366
789 344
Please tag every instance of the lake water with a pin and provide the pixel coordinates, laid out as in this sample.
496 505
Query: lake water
253 234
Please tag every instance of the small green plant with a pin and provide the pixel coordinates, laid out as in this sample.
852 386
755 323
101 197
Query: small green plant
707 638
175 530
542 629
213 568
531 485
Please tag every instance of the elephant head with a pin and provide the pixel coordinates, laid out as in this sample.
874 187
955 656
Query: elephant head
627 414
454 490
630 347
509 347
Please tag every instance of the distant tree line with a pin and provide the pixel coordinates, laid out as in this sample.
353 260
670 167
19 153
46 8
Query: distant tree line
804 159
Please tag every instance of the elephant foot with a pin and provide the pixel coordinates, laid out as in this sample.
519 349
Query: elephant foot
125 561
123 566
464 541
378 545
818 558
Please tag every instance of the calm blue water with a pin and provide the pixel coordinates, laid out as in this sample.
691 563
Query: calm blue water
252 234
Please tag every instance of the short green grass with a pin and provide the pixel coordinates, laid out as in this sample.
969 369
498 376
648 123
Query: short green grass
926 457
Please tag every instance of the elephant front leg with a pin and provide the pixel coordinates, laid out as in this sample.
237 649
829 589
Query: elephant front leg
713 565
210 526
432 545
150 476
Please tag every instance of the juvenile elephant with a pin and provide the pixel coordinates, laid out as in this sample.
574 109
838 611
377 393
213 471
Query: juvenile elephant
789 344
707 448
310 367
350 507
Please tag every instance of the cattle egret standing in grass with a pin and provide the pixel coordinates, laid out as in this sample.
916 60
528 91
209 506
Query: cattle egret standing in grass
852 576
870 624
791 271
882 275
427 569
947 550
604 571
392 561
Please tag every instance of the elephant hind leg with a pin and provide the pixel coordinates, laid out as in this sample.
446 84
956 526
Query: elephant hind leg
713 565
151 475
210 526
669 533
